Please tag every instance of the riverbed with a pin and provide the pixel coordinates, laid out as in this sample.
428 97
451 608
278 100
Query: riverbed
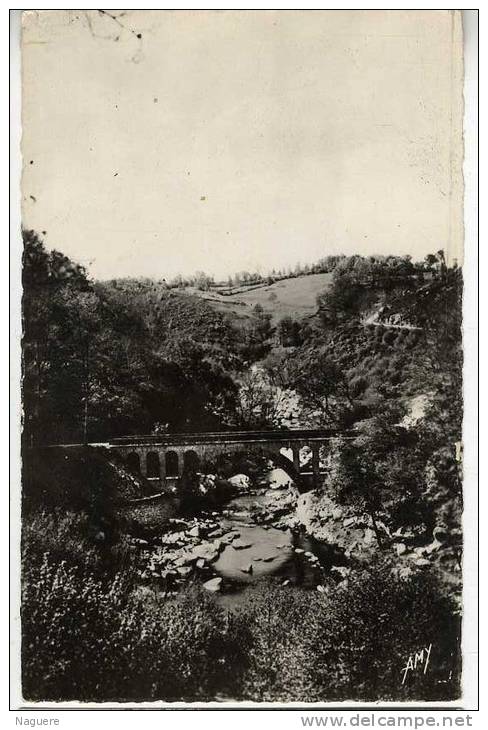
250 539
263 552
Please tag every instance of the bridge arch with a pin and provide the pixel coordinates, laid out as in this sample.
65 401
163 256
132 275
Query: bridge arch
153 467
191 460
280 460
305 455
283 462
172 464
134 462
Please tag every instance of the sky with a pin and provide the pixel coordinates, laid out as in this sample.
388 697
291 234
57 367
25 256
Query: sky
166 142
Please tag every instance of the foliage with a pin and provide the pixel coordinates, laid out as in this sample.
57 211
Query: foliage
401 477
401 468
281 645
290 332
80 538
317 379
82 477
132 356
172 353
370 628
133 647
350 643
148 520
259 333
382 473
181 364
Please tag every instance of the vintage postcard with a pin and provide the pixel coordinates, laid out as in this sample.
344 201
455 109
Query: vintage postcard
242 357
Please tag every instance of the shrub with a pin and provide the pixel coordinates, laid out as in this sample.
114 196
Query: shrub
367 631
91 633
411 340
358 386
90 639
350 643
273 626
396 378
148 520
81 478
398 362
389 337
74 537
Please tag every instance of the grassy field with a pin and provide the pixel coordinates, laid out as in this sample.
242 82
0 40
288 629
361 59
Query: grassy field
294 297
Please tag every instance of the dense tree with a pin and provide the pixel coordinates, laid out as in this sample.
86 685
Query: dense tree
202 281
101 360
319 381
381 473
290 332
260 333
49 281
284 331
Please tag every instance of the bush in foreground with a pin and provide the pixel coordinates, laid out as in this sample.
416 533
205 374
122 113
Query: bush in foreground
90 639
98 638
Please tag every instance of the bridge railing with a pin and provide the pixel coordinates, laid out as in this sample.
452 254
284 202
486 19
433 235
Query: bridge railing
233 436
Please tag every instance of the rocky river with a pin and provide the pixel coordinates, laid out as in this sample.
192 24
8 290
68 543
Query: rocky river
269 532
254 537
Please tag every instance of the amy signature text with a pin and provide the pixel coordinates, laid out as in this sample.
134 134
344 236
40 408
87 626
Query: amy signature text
419 660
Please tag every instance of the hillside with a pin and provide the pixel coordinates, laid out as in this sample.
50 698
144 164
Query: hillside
296 297
154 356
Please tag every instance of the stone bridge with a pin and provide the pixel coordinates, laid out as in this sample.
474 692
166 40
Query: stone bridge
164 457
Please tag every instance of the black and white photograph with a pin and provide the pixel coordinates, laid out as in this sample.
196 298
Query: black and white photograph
242 403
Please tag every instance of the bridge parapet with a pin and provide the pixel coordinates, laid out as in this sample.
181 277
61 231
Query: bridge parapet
233 436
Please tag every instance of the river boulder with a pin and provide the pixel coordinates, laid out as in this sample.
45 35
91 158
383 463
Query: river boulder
241 544
247 568
277 479
241 481
184 571
213 585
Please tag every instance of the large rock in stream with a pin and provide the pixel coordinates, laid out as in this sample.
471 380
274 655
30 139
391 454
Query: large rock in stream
206 550
241 544
213 585
241 481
